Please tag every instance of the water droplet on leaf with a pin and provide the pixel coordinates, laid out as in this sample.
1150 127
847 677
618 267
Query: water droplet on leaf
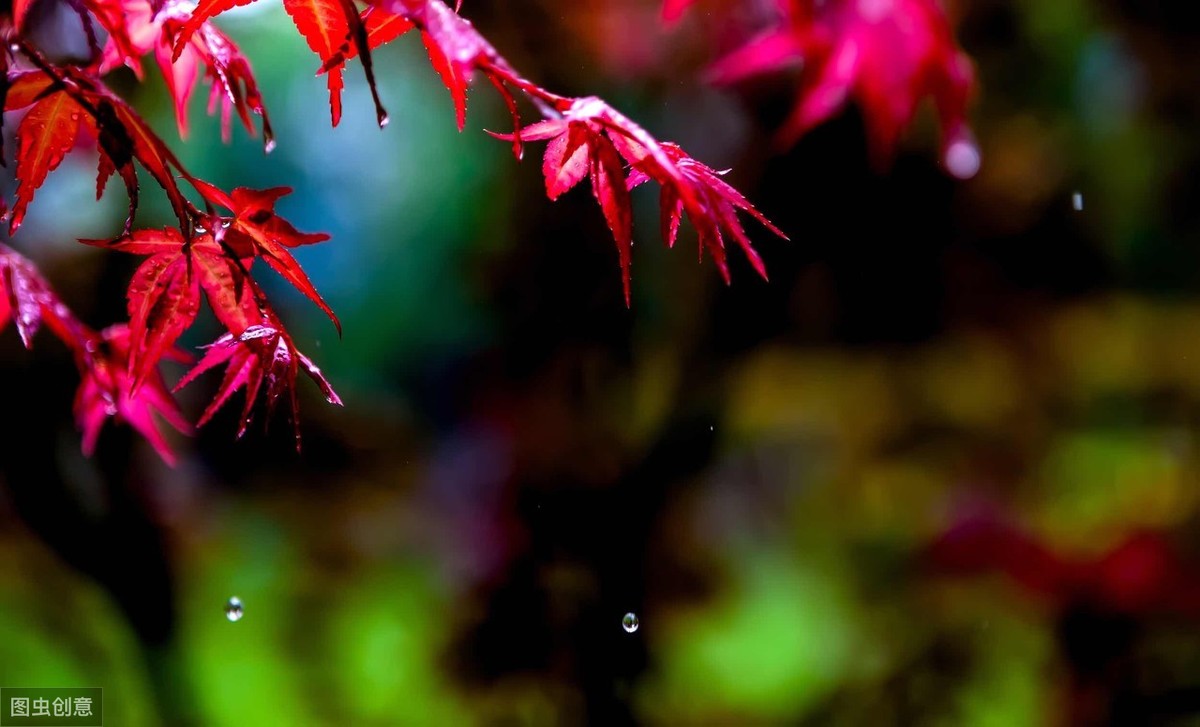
630 623
233 609
962 158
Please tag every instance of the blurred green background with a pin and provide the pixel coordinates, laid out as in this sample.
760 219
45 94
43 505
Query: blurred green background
940 470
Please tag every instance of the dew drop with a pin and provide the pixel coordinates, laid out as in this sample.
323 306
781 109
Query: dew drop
630 623
1077 201
233 609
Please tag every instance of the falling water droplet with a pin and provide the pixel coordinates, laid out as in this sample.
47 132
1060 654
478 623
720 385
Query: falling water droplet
1077 201
630 623
233 609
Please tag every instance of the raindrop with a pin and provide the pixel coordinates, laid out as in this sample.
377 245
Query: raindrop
1077 201
233 609
962 158
630 623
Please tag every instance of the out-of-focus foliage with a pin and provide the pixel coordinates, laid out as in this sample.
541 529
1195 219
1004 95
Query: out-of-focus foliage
763 473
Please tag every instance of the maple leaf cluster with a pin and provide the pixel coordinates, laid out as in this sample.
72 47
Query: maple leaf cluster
220 235
105 390
208 256
886 54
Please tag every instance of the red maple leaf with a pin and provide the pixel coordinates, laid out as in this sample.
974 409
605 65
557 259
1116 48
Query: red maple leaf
382 26
329 27
580 149
164 298
232 84
23 295
153 27
262 354
106 391
27 299
888 54
323 25
46 134
710 202
164 294
594 140
65 102
456 51
255 228
106 388
212 252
